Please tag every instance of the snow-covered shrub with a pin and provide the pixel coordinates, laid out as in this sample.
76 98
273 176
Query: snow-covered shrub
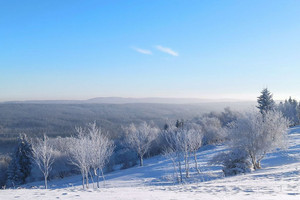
234 162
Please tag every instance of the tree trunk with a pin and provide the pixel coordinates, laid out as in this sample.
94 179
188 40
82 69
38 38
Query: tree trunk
180 171
141 161
82 174
87 179
185 163
46 185
187 166
253 160
257 165
103 176
98 186
196 162
175 171
91 175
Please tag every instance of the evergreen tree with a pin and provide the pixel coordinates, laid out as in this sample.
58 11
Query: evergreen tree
179 124
166 126
20 166
265 101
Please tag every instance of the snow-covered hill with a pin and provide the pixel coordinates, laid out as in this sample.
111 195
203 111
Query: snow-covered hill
279 179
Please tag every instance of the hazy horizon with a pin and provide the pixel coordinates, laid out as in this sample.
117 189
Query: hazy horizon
139 98
121 100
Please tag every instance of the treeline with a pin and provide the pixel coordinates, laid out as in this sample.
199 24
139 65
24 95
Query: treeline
60 119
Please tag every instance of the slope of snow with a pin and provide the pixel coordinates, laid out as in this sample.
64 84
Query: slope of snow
279 179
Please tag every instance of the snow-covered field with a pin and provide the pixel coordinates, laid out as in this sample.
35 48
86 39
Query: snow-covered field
279 179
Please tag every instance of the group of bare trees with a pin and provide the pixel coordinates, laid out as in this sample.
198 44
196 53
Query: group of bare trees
182 142
89 150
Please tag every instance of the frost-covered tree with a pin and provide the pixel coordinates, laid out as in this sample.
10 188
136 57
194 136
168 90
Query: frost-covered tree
228 116
20 165
265 101
43 155
179 123
290 110
213 132
181 143
89 151
175 148
139 138
257 134
195 142
101 149
79 154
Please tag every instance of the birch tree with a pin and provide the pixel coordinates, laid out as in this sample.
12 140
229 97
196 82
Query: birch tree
79 154
195 142
43 155
139 138
90 151
181 142
101 149
174 149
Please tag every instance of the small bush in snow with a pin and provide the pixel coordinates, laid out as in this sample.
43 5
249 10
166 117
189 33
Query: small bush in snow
234 162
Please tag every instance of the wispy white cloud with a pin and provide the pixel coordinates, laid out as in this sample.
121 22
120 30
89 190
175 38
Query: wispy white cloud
143 51
167 50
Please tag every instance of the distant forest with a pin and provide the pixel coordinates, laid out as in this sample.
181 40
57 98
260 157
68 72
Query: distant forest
61 119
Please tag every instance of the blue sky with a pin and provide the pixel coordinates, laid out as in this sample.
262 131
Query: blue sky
166 48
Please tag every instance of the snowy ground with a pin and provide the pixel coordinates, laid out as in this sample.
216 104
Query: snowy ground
279 179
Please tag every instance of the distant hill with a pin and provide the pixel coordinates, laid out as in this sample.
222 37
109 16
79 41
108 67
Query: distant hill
123 100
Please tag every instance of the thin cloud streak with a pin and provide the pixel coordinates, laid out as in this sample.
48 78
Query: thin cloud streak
166 50
142 51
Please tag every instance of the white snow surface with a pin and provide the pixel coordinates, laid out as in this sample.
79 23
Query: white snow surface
279 179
